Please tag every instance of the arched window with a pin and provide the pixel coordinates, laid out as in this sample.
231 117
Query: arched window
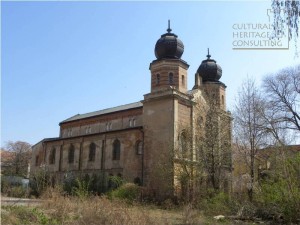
139 147
157 79
116 150
134 122
108 126
52 156
71 154
88 130
183 143
171 78
92 152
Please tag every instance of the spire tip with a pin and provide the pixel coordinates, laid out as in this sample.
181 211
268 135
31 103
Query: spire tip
169 29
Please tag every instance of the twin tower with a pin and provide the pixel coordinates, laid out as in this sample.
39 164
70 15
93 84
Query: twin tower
170 110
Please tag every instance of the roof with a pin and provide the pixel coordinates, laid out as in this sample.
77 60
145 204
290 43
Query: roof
275 150
104 111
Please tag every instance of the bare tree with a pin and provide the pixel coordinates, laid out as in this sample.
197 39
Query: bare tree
213 142
20 159
202 155
282 92
248 127
286 16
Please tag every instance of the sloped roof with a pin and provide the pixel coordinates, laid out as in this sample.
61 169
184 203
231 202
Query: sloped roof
275 150
104 111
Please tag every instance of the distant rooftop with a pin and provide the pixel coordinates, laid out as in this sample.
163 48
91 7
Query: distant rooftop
104 111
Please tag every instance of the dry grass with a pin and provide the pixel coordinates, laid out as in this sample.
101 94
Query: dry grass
95 210
57 209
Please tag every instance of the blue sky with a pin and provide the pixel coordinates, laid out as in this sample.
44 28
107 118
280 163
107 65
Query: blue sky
63 58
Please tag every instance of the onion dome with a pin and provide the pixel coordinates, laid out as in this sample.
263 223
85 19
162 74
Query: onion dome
209 70
169 46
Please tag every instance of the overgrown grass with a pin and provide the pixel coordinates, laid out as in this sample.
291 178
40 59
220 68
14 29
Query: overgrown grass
93 210
75 210
123 206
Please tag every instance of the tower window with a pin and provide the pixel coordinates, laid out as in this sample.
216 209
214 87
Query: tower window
182 80
157 79
71 154
92 152
222 99
52 156
171 78
116 150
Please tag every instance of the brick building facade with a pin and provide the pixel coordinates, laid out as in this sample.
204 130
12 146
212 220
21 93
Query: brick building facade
138 141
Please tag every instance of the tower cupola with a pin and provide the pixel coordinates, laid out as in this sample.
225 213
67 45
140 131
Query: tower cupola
209 70
169 46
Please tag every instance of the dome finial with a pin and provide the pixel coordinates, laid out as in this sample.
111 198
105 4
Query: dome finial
169 29
208 55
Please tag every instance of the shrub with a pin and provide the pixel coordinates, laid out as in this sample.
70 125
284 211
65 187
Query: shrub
278 201
129 192
69 183
279 196
18 192
81 189
115 182
219 203
39 183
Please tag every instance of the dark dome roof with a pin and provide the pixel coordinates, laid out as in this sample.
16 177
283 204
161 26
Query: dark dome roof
209 70
169 46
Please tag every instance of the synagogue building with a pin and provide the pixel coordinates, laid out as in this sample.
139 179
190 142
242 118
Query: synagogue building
156 142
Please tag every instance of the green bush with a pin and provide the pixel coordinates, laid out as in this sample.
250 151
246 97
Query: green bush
279 200
129 192
39 182
115 182
81 189
279 195
18 192
219 203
